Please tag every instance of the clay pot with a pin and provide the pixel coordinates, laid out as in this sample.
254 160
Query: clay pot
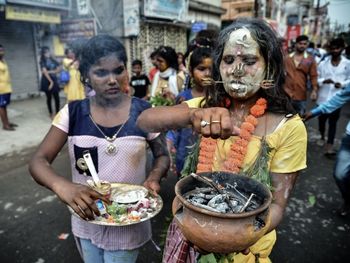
218 232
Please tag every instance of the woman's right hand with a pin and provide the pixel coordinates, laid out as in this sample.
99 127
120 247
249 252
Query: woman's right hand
80 198
213 122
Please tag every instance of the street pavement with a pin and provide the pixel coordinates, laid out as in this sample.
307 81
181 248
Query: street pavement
32 218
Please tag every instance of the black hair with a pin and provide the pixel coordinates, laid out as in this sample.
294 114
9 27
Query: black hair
98 47
1 46
301 38
169 55
210 35
204 38
311 45
66 51
43 50
153 54
136 62
183 57
270 50
197 57
337 42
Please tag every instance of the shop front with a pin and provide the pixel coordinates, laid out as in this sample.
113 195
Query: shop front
25 27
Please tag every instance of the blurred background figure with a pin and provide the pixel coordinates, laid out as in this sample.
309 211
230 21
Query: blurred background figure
200 72
312 50
347 52
300 66
322 53
153 70
167 82
181 62
74 89
49 83
342 165
333 75
5 92
139 81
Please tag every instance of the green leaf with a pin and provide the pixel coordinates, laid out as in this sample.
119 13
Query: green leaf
259 170
210 258
160 100
312 200
191 161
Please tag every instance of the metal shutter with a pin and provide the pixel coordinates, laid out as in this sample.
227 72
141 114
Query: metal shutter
18 41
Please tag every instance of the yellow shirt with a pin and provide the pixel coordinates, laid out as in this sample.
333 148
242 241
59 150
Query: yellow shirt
288 154
288 144
5 80
74 89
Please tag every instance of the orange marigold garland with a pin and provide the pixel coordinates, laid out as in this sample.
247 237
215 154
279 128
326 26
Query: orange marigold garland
207 149
238 149
234 163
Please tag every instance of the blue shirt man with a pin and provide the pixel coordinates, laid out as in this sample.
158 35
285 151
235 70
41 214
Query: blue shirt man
342 165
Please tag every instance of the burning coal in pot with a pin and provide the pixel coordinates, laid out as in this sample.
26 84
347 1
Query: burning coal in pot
222 198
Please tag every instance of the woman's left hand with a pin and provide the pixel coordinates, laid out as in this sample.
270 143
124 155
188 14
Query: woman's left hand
152 185
213 122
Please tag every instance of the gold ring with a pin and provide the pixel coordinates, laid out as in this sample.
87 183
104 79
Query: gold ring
215 122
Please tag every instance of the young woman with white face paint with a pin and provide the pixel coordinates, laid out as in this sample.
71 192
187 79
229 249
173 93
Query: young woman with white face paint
248 65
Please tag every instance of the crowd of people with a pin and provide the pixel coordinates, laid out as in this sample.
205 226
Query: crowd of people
236 91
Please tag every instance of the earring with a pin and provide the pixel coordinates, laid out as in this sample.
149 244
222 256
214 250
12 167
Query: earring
267 83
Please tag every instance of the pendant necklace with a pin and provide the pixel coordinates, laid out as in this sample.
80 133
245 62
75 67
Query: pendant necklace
111 148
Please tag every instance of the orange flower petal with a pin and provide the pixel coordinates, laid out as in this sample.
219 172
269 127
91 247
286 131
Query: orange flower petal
261 101
257 110
248 126
242 142
245 134
251 119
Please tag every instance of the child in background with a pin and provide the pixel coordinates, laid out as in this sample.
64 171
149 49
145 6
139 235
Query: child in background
74 89
139 82
200 70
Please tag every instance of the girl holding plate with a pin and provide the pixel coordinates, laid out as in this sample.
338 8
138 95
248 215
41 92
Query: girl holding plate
104 126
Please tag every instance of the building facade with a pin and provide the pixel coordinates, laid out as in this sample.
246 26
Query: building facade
142 25
24 28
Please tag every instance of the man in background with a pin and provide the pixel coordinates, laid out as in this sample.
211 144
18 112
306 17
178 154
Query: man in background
300 66
342 164
333 76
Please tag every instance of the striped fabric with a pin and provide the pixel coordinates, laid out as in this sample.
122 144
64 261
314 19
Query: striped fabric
177 248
